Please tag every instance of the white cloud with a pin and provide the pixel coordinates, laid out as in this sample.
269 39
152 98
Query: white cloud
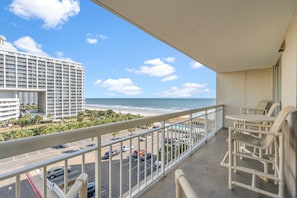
8 46
102 37
154 67
60 55
121 85
195 65
188 90
27 44
93 38
169 78
155 61
97 82
54 13
169 59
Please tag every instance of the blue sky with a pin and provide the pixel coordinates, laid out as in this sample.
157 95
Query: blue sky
120 60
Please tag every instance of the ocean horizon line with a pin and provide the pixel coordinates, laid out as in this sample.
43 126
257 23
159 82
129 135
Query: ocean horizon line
144 98
148 105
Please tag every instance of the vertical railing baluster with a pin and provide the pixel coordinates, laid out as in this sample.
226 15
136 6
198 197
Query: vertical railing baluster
174 144
17 186
138 163
65 176
158 148
145 159
180 140
130 169
121 168
163 147
191 132
110 171
206 125
152 156
98 168
83 164
44 183
167 139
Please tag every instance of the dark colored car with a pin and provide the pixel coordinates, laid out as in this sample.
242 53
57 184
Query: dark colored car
90 191
113 153
146 155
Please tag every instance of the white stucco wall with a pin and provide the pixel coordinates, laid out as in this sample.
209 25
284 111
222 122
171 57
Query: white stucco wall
289 97
243 89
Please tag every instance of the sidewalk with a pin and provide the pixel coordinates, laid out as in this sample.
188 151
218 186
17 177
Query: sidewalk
37 184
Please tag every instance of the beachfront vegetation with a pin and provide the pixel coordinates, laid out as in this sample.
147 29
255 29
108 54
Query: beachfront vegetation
27 126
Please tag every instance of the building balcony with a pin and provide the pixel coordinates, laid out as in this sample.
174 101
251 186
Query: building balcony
193 141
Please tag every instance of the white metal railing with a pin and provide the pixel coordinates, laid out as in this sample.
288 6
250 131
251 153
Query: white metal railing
182 186
121 173
80 186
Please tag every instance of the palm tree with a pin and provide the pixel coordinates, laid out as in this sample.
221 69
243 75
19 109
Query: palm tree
114 134
50 115
132 130
38 118
24 121
12 121
80 116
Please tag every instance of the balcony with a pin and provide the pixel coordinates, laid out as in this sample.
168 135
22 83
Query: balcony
172 139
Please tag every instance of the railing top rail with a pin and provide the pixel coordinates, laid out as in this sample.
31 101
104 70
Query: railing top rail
44 163
25 145
183 185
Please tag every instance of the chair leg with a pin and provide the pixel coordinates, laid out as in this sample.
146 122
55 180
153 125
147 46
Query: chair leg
281 166
236 147
230 160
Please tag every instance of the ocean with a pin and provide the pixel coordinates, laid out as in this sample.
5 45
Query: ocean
149 105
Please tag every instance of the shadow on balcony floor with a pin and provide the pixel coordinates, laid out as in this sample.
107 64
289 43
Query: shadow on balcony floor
207 178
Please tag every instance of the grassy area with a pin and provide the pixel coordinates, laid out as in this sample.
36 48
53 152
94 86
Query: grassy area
27 126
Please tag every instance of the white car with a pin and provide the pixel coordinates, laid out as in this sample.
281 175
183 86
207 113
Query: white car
56 172
126 148
157 164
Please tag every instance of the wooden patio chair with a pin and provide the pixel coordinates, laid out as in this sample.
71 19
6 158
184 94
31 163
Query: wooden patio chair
272 109
261 108
251 138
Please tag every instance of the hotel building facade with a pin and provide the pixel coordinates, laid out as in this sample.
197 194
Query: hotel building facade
55 85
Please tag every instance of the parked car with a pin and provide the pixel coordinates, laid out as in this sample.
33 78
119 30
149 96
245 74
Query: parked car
157 164
136 153
146 155
113 153
126 148
90 190
61 146
56 172
142 138
169 140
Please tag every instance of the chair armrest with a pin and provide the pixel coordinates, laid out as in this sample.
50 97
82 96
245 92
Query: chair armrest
241 130
259 126
252 111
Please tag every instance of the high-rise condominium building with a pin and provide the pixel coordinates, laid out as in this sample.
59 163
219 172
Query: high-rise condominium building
55 85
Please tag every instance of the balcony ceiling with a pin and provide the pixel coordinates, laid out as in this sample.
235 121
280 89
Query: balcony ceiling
229 35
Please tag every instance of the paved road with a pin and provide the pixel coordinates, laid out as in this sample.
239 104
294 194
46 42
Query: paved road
8 190
7 186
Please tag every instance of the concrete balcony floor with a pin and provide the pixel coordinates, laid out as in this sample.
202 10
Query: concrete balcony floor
207 178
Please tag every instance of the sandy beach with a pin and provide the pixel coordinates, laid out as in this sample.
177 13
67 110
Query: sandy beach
142 112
